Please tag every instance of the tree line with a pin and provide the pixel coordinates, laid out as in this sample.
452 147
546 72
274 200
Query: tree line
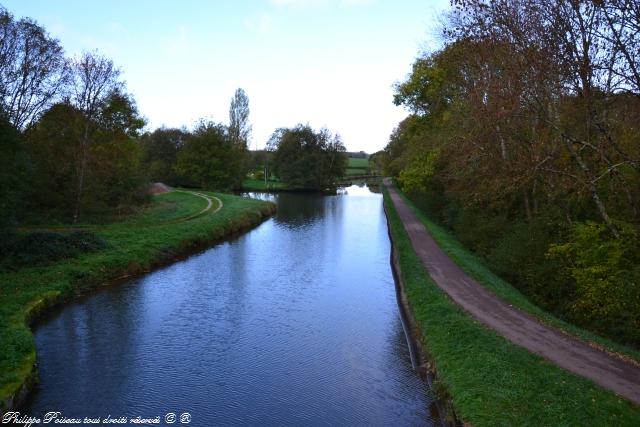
524 138
73 144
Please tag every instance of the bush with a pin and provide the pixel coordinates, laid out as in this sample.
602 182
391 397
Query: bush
479 230
607 278
519 256
40 248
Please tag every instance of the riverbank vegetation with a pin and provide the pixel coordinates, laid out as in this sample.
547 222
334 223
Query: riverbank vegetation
173 225
524 140
489 380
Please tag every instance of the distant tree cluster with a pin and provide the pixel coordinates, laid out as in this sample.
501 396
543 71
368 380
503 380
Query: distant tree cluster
524 138
306 159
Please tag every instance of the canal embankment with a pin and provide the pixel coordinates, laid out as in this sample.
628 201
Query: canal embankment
176 225
489 380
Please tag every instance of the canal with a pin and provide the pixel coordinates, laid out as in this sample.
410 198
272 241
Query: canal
293 323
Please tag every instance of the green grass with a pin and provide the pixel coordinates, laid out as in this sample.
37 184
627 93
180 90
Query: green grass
169 207
357 163
492 382
260 185
474 266
164 231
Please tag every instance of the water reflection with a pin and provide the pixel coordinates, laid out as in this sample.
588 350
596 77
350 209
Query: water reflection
294 323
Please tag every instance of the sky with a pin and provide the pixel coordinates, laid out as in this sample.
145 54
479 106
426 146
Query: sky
328 63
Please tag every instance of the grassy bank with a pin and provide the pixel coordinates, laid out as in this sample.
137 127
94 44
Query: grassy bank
475 267
176 224
491 381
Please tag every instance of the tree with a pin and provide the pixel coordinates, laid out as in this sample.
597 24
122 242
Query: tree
113 178
239 127
33 70
10 151
161 149
573 57
305 159
54 148
119 113
210 159
95 79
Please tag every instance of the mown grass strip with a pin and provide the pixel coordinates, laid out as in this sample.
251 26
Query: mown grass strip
131 250
475 267
492 382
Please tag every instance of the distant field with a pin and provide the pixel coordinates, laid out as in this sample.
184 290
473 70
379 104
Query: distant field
357 167
355 163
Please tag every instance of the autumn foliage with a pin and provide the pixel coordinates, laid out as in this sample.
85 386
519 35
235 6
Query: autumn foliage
524 138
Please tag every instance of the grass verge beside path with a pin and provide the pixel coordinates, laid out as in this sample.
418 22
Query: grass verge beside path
492 382
475 267
165 231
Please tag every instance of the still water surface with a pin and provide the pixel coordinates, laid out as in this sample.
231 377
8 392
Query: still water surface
293 323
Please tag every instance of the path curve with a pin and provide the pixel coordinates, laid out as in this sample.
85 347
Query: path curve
209 204
568 352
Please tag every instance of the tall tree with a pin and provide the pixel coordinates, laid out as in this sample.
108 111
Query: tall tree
113 179
210 159
161 148
95 79
239 127
33 70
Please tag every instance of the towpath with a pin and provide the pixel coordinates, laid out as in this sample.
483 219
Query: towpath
607 370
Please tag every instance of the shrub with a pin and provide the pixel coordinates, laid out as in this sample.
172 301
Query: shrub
519 257
40 248
607 278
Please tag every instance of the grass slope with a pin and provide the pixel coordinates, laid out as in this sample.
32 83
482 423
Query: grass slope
492 382
164 231
475 267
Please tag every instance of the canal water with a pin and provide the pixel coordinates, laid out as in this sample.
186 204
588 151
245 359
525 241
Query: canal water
294 323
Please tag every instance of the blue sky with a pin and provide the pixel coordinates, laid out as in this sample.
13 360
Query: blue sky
324 62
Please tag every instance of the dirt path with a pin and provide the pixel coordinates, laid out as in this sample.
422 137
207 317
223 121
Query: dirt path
610 372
